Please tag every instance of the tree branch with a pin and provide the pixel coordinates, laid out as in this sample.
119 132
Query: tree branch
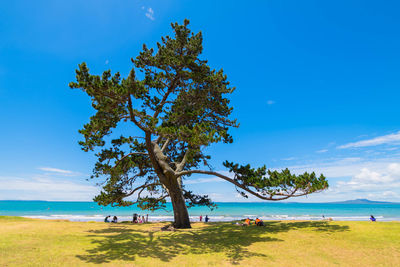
132 115
181 165
165 145
127 155
141 187
226 178
171 87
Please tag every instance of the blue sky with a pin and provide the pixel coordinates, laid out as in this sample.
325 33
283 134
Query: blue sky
317 88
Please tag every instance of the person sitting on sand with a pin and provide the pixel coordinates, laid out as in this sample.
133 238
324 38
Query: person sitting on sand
106 219
372 218
115 219
247 222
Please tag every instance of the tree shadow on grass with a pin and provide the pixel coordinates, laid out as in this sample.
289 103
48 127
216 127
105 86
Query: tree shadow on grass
123 242
319 226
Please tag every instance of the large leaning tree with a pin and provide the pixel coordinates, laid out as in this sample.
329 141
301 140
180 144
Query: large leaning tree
179 105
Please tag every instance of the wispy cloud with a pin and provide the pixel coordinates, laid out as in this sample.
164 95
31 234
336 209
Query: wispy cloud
204 180
342 167
380 140
150 13
289 159
38 188
270 102
55 170
322 151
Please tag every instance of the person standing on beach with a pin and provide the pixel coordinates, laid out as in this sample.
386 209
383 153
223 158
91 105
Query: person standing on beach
201 217
206 218
147 218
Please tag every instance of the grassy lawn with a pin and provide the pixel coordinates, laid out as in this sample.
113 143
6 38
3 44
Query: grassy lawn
28 242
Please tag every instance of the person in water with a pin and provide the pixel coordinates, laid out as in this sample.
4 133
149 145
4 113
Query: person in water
372 218
106 219
115 219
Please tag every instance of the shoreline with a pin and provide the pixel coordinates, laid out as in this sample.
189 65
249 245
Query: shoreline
195 219
88 211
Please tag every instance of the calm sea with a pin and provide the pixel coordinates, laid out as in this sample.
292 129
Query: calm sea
226 211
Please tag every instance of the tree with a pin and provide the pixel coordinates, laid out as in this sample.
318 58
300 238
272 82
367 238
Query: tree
179 105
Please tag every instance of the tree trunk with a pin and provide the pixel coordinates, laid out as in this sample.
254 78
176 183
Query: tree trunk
167 176
181 215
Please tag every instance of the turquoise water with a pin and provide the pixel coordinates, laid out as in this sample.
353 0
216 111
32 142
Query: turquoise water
226 211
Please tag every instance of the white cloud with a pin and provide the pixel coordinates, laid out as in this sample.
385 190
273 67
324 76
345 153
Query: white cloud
370 180
204 180
380 140
322 151
150 13
38 188
390 194
344 167
289 159
270 102
107 61
55 170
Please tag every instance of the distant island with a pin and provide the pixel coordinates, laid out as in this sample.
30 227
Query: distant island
362 201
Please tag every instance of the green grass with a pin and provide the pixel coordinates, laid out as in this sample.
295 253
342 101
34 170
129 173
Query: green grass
28 242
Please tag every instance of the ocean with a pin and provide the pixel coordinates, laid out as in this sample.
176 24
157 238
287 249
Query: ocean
226 211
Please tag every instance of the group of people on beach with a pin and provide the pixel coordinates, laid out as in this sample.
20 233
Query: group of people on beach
114 220
136 219
140 219
247 222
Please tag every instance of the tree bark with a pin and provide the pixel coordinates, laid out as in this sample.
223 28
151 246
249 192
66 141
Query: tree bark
181 215
168 178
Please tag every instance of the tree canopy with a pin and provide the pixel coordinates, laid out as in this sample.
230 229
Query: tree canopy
180 105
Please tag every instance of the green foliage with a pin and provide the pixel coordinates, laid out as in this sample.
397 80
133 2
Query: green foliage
180 99
197 200
180 106
276 183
